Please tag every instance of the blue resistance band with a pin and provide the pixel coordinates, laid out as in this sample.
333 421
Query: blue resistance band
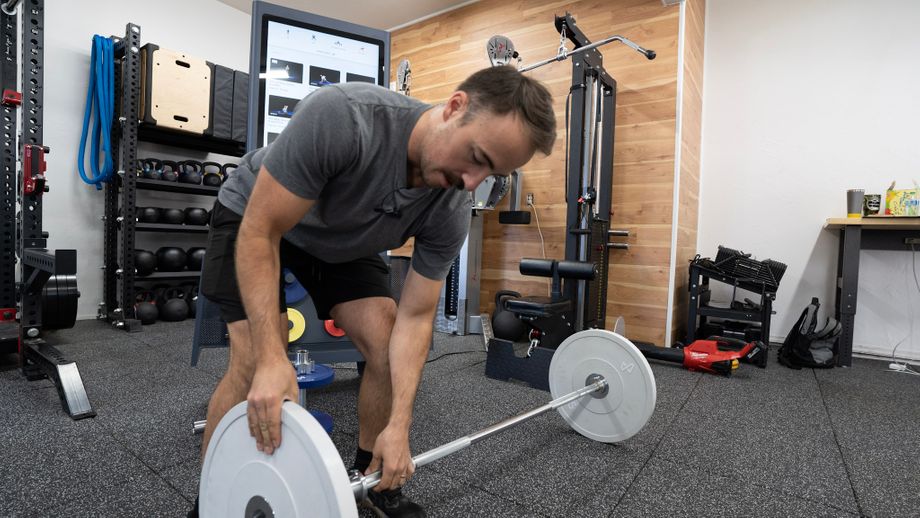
100 104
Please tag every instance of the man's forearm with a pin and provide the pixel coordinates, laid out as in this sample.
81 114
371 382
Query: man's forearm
257 271
409 344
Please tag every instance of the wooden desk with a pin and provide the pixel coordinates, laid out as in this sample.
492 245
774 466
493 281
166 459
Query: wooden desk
872 233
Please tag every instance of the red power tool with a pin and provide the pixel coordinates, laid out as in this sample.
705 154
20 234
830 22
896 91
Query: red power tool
716 355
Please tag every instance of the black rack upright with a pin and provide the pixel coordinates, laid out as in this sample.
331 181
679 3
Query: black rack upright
24 187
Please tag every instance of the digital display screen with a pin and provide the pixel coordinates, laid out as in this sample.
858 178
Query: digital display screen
297 58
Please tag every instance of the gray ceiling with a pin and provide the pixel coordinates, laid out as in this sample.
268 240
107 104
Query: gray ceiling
380 14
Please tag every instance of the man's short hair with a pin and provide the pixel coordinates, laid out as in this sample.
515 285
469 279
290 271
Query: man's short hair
502 90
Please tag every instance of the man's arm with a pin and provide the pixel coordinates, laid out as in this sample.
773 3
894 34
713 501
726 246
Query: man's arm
271 211
408 350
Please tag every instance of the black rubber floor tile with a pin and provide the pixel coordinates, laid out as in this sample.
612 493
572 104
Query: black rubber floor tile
875 415
780 438
141 495
666 488
551 473
48 468
444 496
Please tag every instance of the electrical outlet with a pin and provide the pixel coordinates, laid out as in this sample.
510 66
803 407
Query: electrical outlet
530 199
909 240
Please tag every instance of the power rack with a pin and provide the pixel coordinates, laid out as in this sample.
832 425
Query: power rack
44 274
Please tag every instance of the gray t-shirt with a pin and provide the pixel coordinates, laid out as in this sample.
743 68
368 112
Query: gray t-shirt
346 148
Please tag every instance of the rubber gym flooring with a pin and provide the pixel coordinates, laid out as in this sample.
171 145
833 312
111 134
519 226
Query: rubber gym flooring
772 442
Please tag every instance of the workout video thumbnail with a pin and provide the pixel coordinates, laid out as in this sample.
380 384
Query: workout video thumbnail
320 76
286 70
281 106
358 78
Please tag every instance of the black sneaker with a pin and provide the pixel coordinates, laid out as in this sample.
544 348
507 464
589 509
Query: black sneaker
393 504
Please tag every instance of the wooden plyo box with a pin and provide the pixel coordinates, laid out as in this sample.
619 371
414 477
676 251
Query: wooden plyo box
176 90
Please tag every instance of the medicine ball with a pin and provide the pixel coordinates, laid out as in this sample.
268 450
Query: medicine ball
171 259
213 175
145 262
190 172
148 214
194 258
172 216
505 324
144 308
196 216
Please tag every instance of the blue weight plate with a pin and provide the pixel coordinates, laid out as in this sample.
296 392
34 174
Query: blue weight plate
321 376
324 419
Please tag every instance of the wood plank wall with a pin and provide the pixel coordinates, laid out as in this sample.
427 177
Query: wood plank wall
690 141
443 50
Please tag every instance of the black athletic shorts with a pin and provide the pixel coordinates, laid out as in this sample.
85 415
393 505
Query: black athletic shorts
328 284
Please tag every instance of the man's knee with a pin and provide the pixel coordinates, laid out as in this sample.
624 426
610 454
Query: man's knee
368 322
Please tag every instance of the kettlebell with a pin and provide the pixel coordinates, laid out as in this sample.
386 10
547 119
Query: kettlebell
213 175
172 305
172 216
505 324
145 262
194 258
171 259
227 170
191 298
148 214
170 170
151 168
190 172
145 309
196 216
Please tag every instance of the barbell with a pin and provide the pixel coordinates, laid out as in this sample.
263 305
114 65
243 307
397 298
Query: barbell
601 385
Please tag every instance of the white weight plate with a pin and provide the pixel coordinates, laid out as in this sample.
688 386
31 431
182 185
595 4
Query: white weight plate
304 477
630 398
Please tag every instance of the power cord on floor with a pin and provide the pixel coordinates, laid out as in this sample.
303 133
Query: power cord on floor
903 367
536 216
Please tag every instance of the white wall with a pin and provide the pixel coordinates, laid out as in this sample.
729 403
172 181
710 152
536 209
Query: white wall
207 29
803 100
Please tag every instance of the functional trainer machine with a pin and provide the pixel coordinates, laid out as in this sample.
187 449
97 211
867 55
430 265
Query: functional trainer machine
45 296
579 283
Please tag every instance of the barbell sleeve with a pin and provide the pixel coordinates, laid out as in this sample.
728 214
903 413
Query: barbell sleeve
362 485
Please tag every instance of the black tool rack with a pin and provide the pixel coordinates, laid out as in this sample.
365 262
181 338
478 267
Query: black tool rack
701 273
120 219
